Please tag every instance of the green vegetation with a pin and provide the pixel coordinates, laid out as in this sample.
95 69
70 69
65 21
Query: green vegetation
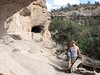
85 30
68 7
87 36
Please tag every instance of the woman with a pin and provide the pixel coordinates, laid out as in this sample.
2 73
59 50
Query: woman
73 53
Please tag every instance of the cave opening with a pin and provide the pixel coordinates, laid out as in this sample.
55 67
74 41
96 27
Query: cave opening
37 29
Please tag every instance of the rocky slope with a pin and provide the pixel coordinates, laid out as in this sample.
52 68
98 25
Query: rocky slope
83 14
28 58
20 57
23 58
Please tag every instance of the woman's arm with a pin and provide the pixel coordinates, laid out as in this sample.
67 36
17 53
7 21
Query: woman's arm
79 52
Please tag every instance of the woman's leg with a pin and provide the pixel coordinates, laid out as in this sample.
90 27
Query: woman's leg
73 61
69 64
69 60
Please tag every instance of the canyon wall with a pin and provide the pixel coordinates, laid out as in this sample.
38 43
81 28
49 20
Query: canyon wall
24 19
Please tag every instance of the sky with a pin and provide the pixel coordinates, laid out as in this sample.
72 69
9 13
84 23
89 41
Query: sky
54 4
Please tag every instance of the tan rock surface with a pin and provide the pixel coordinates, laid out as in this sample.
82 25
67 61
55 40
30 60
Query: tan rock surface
24 18
25 58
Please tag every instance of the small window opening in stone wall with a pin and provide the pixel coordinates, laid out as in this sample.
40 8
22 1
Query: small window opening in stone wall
37 29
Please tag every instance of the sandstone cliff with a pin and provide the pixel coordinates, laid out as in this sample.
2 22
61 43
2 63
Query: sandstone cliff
24 19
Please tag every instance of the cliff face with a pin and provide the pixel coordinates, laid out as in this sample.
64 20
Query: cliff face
27 19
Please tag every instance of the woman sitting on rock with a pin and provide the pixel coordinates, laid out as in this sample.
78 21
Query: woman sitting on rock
73 53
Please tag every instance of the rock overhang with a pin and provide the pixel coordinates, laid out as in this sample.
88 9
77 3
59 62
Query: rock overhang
20 16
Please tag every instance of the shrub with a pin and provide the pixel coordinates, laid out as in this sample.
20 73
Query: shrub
87 37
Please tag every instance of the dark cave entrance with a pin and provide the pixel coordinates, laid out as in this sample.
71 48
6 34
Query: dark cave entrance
37 29
37 32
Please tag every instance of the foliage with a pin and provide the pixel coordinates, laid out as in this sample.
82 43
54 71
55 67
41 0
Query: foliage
69 7
87 36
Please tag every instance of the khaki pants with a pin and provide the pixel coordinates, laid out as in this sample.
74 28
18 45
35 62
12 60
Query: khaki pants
73 59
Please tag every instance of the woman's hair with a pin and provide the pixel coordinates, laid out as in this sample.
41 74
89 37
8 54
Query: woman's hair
72 43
